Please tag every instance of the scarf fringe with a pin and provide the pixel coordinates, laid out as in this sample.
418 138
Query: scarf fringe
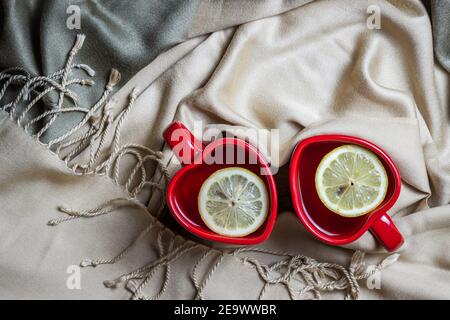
91 134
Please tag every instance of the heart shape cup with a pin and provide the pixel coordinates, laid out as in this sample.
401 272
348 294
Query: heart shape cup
326 225
199 162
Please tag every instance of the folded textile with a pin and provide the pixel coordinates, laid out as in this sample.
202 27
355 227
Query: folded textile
36 34
312 70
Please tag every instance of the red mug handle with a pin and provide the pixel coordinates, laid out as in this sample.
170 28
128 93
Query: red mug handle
183 143
384 229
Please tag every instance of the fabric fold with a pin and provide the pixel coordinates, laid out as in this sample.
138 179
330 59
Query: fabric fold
312 70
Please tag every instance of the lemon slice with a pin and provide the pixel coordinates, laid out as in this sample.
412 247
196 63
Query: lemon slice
233 202
351 181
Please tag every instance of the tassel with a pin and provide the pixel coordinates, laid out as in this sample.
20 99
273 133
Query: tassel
109 284
78 43
133 93
114 78
87 82
87 69
357 264
389 260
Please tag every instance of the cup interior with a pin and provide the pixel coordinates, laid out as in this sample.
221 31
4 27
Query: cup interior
313 213
185 187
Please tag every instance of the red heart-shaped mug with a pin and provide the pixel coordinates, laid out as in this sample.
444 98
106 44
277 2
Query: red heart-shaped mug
326 225
199 162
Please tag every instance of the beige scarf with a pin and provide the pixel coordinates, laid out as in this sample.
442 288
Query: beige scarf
315 69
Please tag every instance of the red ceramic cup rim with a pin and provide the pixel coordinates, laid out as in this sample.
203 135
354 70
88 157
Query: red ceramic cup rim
296 192
207 234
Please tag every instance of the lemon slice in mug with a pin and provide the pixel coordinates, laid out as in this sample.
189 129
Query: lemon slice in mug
233 202
351 181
